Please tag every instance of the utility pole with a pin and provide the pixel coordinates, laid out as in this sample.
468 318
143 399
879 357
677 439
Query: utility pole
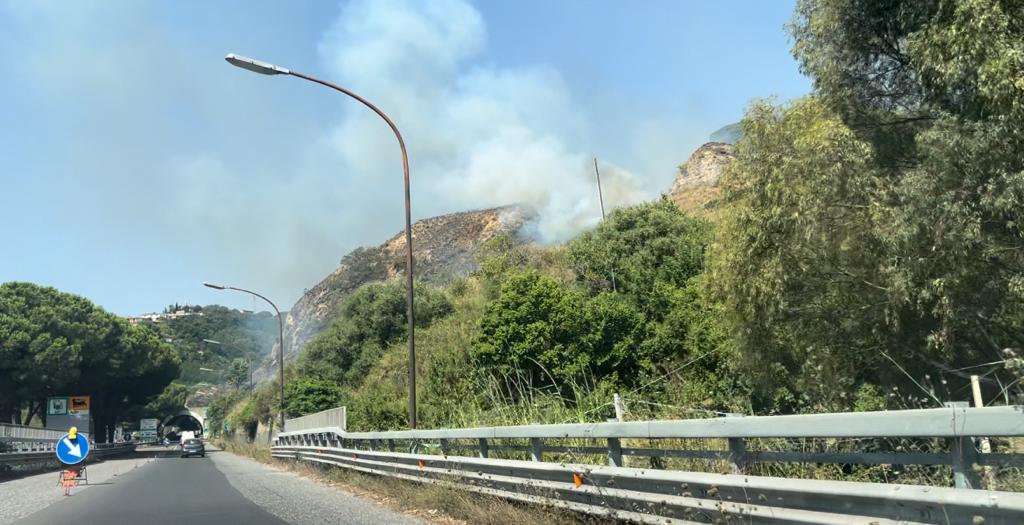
600 198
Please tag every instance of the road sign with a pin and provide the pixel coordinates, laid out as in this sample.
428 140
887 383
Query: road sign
72 451
56 406
148 424
64 412
79 405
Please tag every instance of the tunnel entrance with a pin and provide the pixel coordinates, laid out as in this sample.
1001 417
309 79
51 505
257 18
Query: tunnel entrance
174 426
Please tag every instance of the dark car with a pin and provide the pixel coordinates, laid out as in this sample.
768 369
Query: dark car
193 447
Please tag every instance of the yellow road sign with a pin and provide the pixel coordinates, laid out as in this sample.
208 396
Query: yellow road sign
79 405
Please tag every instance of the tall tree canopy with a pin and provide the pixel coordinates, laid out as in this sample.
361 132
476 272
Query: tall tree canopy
55 343
876 227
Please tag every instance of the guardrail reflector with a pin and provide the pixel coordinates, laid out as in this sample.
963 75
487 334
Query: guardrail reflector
577 479
421 464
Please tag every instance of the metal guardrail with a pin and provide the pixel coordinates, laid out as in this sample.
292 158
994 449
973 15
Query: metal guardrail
333 417
654 496
47 457
24 439
16 433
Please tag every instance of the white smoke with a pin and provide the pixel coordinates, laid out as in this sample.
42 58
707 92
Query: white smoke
478 136
169 162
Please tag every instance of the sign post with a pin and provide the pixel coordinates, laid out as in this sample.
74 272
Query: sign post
72 449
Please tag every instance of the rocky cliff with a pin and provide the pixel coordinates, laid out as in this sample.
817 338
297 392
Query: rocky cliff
444 247
695 189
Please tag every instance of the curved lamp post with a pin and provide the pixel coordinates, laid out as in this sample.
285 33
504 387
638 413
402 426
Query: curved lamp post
280 336
265 68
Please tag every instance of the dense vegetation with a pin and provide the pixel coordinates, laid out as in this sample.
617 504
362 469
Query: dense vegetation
243 336
867 253
54 343
872 231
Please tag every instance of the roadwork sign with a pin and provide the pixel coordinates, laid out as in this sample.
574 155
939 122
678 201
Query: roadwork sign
72 451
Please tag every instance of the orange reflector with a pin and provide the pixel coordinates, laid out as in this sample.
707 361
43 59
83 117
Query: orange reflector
577 479
355 456
421 464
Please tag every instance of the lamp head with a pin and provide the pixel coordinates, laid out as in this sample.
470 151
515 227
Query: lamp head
73 432
214 286
256 66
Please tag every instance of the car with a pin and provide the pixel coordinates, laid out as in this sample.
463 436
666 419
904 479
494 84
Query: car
193 447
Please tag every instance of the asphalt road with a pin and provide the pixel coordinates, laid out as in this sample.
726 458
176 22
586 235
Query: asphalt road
195 491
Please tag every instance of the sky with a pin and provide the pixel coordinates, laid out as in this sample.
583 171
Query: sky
137 163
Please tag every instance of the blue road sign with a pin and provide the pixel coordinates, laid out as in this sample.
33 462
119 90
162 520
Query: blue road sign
72 451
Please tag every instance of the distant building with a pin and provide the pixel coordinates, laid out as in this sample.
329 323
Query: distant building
160 317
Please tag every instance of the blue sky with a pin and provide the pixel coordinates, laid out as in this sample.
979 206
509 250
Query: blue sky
138 164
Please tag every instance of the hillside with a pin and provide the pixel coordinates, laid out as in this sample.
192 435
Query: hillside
243 334
695 189
444 247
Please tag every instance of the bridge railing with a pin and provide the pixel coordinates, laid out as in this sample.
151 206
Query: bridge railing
332 418
557 464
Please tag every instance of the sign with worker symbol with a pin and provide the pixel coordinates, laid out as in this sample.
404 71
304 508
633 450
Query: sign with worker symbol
72 448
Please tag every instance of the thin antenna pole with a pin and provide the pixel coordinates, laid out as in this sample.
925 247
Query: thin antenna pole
600 198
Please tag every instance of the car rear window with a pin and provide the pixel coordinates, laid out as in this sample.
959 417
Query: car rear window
192 442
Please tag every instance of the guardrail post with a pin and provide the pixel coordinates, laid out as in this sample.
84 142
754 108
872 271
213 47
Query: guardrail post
414 446
738 457
484 448
391 445
963 456
536 449
444 446
614 451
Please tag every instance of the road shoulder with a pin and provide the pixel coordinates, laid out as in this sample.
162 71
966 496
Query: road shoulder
300 500
27 495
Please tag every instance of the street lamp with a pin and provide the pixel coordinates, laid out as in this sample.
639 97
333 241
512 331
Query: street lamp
280 336
248 358
266 68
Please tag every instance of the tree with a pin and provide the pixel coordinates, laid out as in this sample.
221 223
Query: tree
796 251
541 333
873 232
644 247
945 76
169 402
238 373
53 343
307 395
218 410
369 320
657 254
